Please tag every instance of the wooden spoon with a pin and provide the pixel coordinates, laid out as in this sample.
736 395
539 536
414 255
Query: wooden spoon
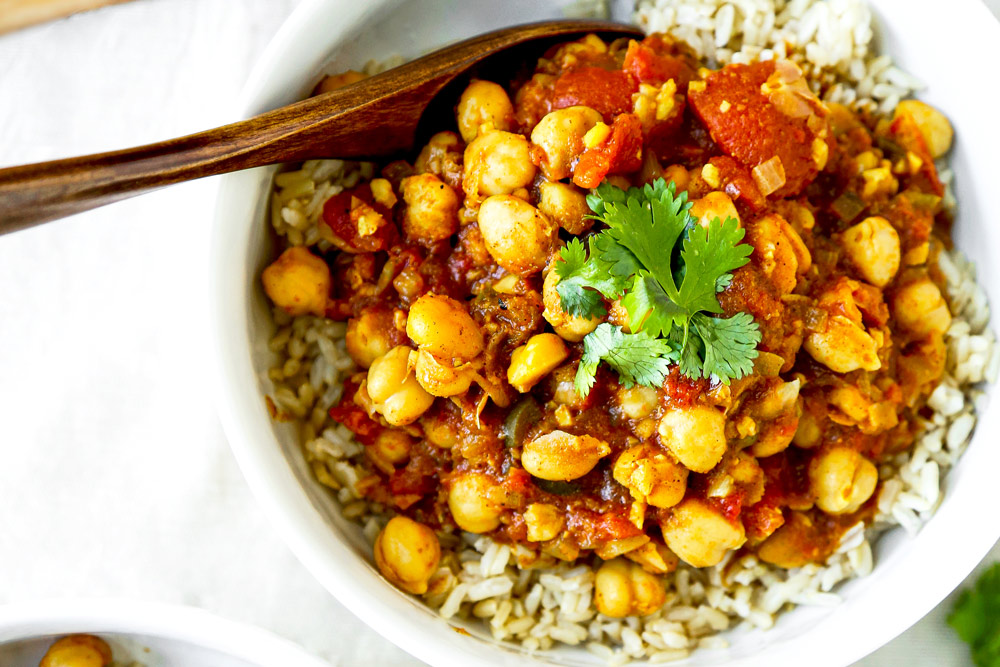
375 117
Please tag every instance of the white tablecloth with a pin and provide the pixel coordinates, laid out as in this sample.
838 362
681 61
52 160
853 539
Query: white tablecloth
115 477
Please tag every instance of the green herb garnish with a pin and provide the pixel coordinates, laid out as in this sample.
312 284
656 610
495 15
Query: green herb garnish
667 271
976 618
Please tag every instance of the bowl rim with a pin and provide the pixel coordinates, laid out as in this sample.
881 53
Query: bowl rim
35 619
297 520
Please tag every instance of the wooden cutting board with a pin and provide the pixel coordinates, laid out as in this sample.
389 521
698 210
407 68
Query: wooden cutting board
15 14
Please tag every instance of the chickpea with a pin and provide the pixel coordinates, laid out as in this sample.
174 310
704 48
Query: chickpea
564 387
439 378
565 204
431 212
637 402
561 456
442 326
544 522
738 473
700 535
387 373
517 235
394 391
778 250
784 547
920 309
442 156
497 163
843 347
406 405
651 475
369 336
560 136
933 125
622 588
841 479
483 102
407 553
696 436
77 651
872 245
337 81
808 433
393 446
471 505
714 205
569 327
677 175
298 282
439 431
534 360
654 558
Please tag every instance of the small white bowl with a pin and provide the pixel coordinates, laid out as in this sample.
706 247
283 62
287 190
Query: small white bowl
951 51
155 634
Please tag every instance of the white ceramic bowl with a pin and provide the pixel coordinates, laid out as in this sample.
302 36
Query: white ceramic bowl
952 51
157 635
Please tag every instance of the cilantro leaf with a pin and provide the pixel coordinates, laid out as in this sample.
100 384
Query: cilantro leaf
619 259
667 270
637 357
583 281
650 228
649 307
730 345
710 255
976 618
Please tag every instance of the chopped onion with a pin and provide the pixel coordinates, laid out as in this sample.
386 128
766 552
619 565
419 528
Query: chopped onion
789 92
847 206
769 175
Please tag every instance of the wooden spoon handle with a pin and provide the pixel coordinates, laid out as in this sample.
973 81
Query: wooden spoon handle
346 123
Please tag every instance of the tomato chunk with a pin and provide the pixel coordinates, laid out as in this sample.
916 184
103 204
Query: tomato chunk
356 420
608 92
747 125
620 154
653 68
738 184
351 214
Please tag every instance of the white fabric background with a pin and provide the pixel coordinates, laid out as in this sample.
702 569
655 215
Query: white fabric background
115 477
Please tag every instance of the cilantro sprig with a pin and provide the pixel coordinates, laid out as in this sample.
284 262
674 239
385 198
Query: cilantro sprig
976 618
667 270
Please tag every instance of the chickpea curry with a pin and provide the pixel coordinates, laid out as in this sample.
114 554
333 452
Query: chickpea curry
638 309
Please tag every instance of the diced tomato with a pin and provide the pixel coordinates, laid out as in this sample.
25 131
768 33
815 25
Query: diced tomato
337 215
595 528
647 66
871 304
786 480
749 127
607 91
617 526
517 481
730 505
738 183
761 520
680 391
419 477
620 154
355 419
